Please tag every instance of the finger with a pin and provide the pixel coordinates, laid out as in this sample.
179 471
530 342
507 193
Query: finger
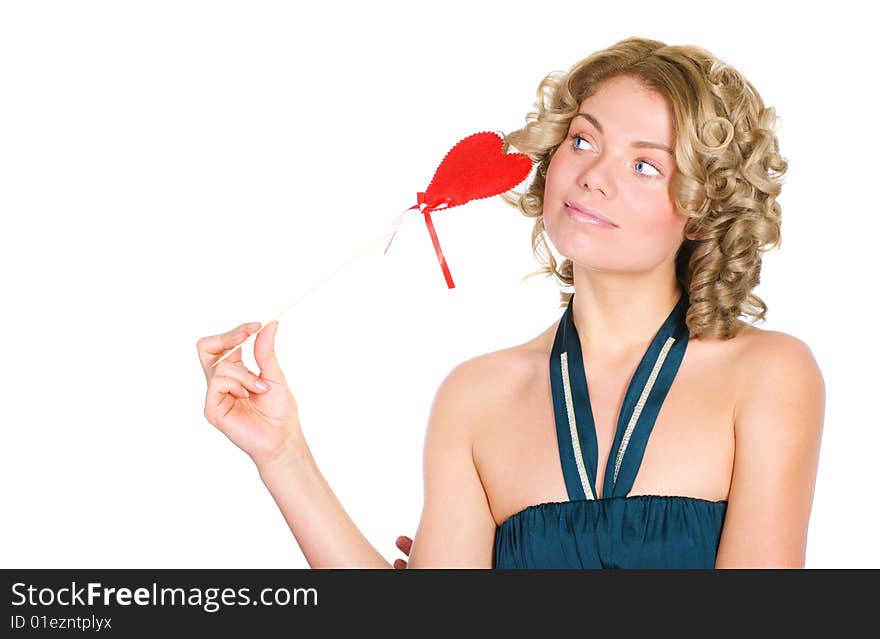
405 544
213 347
239 372
399 564
264 354
220 388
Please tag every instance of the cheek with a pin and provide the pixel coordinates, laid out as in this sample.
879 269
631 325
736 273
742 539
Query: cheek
659 234
557 171
551 192
652 212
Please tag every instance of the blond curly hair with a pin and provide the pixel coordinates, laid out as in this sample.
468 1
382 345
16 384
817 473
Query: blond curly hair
729 171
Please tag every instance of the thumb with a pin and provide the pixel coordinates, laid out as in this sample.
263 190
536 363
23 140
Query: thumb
264 353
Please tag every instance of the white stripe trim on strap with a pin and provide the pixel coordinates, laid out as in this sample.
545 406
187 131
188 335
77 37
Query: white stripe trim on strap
572 427
641 403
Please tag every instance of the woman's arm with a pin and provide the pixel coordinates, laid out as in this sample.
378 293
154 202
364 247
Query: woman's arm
456 529
778 430
325 533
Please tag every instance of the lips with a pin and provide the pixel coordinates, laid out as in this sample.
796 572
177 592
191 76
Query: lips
588 215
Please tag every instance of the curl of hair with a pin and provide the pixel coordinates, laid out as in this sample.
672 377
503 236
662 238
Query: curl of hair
728 179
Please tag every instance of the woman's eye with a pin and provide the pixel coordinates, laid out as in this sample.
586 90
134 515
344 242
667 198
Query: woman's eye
575 138
650 166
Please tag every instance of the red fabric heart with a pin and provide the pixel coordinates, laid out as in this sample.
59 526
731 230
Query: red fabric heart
474 169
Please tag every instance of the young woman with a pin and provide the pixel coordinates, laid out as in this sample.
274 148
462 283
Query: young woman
657 177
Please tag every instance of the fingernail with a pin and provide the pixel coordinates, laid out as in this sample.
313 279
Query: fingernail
262 386
253 325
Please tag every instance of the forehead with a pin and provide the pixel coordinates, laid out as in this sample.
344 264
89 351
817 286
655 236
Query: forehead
625 107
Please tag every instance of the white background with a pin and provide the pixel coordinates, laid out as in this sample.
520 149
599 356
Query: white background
169 170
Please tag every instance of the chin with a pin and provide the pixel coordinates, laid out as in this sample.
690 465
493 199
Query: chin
599 266
588 254
603 251
582 246
590 258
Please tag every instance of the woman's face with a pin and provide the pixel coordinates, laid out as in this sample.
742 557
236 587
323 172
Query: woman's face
602 164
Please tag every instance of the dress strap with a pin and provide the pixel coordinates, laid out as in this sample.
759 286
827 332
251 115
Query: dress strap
575 425
644 399
575 430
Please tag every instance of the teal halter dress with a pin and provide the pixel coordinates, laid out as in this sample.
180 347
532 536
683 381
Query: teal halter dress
616 531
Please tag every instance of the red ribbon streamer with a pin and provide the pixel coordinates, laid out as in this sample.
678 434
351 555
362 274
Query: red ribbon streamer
430 224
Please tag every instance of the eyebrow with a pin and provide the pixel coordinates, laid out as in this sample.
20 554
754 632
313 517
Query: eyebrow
640 144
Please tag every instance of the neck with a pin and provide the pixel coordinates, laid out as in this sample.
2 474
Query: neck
617 314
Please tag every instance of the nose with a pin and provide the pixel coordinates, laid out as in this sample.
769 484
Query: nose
596 176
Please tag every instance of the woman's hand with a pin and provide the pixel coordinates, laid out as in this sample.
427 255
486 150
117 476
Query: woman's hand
263 422
405 545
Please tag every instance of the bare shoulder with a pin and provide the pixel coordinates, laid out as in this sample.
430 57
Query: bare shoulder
485 383
759 371
764 356
775 372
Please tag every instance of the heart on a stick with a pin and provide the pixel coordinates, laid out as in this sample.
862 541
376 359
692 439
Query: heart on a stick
474 169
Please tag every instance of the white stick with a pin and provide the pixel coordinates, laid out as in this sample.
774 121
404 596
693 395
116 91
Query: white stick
384 236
